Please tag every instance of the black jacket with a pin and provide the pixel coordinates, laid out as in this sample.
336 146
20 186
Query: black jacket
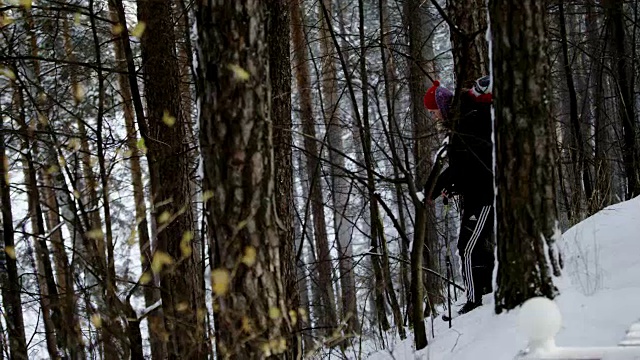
470 154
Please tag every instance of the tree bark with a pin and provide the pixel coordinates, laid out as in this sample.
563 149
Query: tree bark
252 319
150 291
526 212
169 169
625 91
421 28
468 43
327 310
278 41
9 281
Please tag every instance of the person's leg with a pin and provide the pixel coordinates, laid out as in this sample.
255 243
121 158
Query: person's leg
474 222
482 256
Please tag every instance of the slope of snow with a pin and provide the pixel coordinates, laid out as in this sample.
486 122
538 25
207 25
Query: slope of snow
599 296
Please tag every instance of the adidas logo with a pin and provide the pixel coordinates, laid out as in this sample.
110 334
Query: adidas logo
473 218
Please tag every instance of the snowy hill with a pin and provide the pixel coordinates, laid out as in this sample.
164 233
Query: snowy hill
600 296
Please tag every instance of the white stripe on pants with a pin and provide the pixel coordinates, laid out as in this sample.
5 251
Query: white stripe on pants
468 251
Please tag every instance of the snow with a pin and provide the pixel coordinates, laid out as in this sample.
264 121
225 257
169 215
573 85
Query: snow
599 302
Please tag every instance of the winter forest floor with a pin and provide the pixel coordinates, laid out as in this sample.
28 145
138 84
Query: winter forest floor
599 298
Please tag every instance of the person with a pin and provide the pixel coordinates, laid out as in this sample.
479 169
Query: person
470 176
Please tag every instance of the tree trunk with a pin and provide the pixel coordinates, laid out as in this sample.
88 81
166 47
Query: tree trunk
250 298
150 291
169 169
468 43
327 310
395 141
9 281
624 85
278 37
526 212
341 189
421 28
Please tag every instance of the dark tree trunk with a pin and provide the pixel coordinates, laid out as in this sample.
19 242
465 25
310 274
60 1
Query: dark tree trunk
237 147
169 169
624 83
150 291
468 40
279 30
526 212
9 281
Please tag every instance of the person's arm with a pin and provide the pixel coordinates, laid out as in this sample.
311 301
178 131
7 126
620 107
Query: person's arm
444 183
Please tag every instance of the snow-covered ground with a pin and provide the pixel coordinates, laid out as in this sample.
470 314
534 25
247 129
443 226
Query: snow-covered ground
599 300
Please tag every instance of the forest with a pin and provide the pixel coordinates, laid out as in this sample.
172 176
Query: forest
257 179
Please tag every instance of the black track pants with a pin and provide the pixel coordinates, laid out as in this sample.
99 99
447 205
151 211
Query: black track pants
476 250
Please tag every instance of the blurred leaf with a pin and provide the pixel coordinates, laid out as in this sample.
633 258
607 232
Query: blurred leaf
8 73
274 313
138 30
132 237
249 257
74 144
26 4
6 20
167 119
183 306
160 259
78 92
239 72
53 169
246 325
77 18
117 29
164 217
220 279
293 315
303 314
63 161
145 278
96 320
10 251
266 349
95 234
76 194
185 244
207 195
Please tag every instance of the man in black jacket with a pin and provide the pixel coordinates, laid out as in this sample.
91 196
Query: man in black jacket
469 175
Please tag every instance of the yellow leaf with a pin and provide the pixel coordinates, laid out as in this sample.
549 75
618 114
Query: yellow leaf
26 4
249 257
160 259
207 195
76 194
167 119
132 237
303 314
266 349
145 278
74 144
6 20
239 72
246 325
95 234
10 251
117 29
62 161
140 144
8 73
43 118
53 169
220 279
293 316
78 92
164 217
76 18
185 244
138 30
96 320
128 153
274 313
183 306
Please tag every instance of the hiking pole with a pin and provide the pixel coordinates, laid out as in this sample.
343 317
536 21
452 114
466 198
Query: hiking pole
448 260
